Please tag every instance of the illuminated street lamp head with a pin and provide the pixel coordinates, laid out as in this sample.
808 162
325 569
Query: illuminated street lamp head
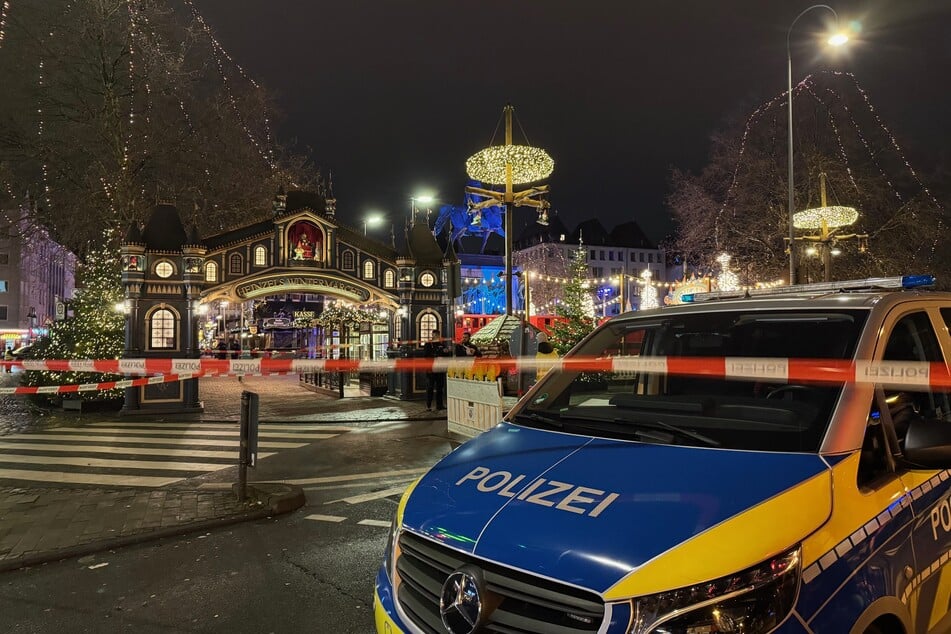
373 219
838 39
835 216
424 199
529 164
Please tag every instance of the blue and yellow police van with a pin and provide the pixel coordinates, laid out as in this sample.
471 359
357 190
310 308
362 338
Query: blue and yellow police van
773 462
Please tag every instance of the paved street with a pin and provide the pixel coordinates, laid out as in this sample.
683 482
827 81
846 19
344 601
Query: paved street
136 494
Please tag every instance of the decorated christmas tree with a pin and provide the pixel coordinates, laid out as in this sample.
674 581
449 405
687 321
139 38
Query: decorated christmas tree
576 305
94 329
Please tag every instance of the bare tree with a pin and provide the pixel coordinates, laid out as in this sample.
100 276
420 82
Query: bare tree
112 106
738 202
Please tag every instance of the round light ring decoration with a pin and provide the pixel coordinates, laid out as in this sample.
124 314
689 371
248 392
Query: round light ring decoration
529 164
834 216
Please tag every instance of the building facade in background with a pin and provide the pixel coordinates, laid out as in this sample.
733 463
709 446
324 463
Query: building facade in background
36 272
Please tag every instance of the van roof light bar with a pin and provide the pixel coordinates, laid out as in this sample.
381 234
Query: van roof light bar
871 283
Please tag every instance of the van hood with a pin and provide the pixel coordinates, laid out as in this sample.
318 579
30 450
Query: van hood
589 511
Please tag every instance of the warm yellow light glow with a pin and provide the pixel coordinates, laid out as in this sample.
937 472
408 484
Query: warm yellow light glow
835 216
529 164
424 199
374 219
838 39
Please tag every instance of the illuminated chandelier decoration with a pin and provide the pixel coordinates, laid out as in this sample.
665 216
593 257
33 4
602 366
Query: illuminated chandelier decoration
649 293
510 165
528 164
727 280
833 217
827 219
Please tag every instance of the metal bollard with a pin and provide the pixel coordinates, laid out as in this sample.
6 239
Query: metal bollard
248 448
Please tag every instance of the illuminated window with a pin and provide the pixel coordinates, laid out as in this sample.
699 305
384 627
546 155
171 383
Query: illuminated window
164 269
368 270
162 329
235 263
428 322
389 278
260 256
211 272
347 260
427 279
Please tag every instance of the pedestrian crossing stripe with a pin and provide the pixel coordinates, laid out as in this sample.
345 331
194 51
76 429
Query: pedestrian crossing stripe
137 454
194 432
205 442
139 451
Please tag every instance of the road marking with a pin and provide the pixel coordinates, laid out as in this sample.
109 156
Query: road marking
189 432
358 476
366 497
123 480
156 441
331 487
263 426
325 518
116 464
379 523
138 451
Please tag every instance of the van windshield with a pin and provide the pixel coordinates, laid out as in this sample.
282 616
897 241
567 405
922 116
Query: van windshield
763 414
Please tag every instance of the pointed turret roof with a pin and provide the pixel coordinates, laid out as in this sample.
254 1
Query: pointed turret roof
133 235
164 231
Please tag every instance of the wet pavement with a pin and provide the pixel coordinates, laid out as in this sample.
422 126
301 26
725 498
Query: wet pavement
45 522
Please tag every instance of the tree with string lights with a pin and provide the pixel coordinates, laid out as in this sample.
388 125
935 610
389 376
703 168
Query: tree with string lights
94 329
577 305
111 106
738 202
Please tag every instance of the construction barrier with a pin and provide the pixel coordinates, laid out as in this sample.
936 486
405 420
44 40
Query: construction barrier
781 370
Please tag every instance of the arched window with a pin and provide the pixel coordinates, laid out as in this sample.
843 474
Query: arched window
389 278
368 270
428 322
162 330
347 260
260 256
235 263
211 272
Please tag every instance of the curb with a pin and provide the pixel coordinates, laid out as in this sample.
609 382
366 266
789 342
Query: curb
274 502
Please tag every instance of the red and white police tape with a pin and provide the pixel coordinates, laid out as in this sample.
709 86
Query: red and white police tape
781 370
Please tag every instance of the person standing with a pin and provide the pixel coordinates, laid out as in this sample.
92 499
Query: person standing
465 347
545 356
435 381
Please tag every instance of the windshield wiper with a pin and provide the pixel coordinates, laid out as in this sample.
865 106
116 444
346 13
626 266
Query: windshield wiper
659 424
626 426
549 419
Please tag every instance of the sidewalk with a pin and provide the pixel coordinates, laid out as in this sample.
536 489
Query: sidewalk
40 524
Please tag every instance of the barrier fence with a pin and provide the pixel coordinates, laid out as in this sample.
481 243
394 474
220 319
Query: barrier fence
781 370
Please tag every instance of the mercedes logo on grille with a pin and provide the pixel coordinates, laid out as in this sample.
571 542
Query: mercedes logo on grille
460 602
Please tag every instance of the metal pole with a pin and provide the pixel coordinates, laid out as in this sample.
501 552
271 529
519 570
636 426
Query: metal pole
792 201
243 447
508 258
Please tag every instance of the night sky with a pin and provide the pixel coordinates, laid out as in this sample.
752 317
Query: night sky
392 97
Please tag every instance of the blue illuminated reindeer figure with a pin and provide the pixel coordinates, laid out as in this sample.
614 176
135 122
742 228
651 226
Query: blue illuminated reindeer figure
464 222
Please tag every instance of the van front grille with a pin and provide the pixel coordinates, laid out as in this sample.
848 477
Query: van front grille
526 603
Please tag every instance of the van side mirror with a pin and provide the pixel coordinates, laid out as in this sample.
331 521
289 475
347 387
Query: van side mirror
928 444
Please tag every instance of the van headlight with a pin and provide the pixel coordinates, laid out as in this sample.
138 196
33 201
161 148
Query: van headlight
749 602
389 555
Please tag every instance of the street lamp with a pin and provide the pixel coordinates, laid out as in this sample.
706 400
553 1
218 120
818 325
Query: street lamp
509 165
372 220
838 39
425 199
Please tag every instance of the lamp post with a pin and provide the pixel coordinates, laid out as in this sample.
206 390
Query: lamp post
509 165
425 199
371 221
837 39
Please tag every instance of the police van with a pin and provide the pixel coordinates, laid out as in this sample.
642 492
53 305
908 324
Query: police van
750 462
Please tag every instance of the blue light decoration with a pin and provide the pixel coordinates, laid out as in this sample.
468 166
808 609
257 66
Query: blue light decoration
461 221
